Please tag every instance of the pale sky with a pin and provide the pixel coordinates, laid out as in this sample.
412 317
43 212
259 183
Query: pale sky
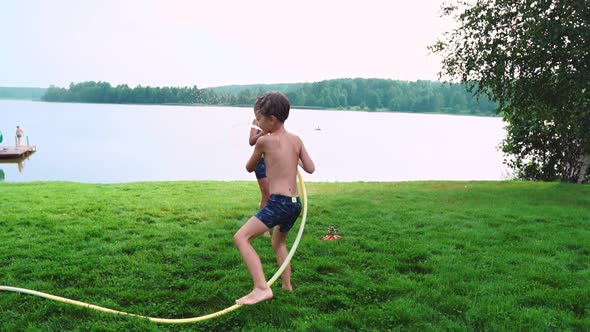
216 42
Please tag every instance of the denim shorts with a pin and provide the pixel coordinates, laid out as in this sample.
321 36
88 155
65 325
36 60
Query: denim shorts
280 210
260 169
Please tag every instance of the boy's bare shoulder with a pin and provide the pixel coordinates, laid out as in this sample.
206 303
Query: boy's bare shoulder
263 140
294 137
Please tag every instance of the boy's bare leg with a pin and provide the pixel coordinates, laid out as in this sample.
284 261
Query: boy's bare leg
251 229
279 244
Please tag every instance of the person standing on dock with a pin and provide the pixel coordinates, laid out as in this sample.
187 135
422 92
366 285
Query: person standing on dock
19 134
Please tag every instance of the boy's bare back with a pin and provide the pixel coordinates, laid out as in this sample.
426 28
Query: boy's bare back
282 152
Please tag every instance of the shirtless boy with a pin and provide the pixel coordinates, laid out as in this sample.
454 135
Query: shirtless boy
283 152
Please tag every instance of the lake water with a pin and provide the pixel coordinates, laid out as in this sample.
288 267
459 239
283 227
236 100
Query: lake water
98 143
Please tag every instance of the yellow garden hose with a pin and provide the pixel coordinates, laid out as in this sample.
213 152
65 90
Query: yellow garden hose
180 320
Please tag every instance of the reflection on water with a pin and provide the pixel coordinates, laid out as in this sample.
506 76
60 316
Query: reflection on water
20 164
127 143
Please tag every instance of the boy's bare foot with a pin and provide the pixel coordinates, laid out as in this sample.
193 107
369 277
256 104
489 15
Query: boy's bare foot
257 295
267 233
288 287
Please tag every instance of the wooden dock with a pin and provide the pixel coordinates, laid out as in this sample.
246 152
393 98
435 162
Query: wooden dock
15 152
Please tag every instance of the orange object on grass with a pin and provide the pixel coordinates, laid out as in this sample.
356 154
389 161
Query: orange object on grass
331 236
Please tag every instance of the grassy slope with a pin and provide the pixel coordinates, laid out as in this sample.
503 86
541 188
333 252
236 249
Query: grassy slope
415 255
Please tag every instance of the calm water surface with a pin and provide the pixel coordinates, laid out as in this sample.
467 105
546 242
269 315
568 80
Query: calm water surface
98 143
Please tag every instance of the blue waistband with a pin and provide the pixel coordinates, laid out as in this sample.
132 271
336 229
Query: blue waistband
283 198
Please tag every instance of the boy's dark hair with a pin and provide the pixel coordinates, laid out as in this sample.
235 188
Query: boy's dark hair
273 103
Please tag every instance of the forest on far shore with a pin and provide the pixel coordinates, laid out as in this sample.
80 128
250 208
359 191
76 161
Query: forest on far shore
22 93
345 94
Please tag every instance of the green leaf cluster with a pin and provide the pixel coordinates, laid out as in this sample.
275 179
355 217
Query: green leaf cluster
533 57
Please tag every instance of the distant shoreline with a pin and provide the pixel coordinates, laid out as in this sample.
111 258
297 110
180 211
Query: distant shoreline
359 94
250 106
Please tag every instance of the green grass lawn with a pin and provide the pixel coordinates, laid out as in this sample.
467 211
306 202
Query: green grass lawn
484 256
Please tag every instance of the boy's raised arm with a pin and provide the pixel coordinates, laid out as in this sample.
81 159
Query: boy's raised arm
254 133
254 158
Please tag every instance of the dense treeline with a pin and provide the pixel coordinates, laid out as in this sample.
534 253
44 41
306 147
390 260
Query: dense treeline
103 92
402 96
22 93
359 94
283 87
